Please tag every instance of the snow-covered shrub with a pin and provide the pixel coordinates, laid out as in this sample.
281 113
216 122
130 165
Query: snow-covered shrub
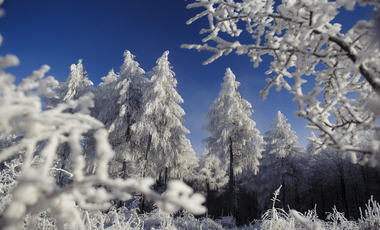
208 223
186 220
44 221
158 219
123 218
337 220
371 218
276 218
307 221
227 222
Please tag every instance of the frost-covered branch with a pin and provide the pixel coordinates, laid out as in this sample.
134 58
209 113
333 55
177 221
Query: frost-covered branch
22 114
40 132
302 41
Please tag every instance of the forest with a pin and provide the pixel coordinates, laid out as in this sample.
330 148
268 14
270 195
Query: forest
115 156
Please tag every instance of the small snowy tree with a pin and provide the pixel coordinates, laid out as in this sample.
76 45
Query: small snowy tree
281 140
77 84
279 164
106 99
302 39
234 138
212 173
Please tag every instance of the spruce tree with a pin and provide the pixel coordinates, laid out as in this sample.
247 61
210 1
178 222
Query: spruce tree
160 126
280 161
234 138
77 84
119 103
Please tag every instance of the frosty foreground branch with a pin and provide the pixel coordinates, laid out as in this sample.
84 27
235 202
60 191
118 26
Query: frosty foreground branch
40 132
302 41
22 115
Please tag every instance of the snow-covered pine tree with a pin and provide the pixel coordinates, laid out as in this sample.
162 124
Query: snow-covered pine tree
212 173
104 110
105 99
119 102
77 84
280 159
234 138
160 126
281 141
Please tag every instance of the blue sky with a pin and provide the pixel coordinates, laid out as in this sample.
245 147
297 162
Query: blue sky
58 33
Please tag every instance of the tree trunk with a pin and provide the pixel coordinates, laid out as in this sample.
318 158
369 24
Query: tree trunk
146 168
124 169
64 157
231 184
283 192
166 176
312 197
283 188
147 156
344 195
366 187
323 204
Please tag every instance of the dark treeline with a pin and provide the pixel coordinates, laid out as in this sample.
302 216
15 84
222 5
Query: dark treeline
327 181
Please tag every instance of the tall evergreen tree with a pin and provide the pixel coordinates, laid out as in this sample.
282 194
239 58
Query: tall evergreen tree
106 107
280 161
161 124
212 174
234 138
119 102
77 84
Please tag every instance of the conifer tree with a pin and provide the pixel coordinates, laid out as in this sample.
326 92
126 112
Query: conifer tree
120 101
77 85
281 140
161 124
234 138
279 164
106 108
212 173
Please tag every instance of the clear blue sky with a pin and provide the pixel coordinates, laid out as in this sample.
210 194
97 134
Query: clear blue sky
59 32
